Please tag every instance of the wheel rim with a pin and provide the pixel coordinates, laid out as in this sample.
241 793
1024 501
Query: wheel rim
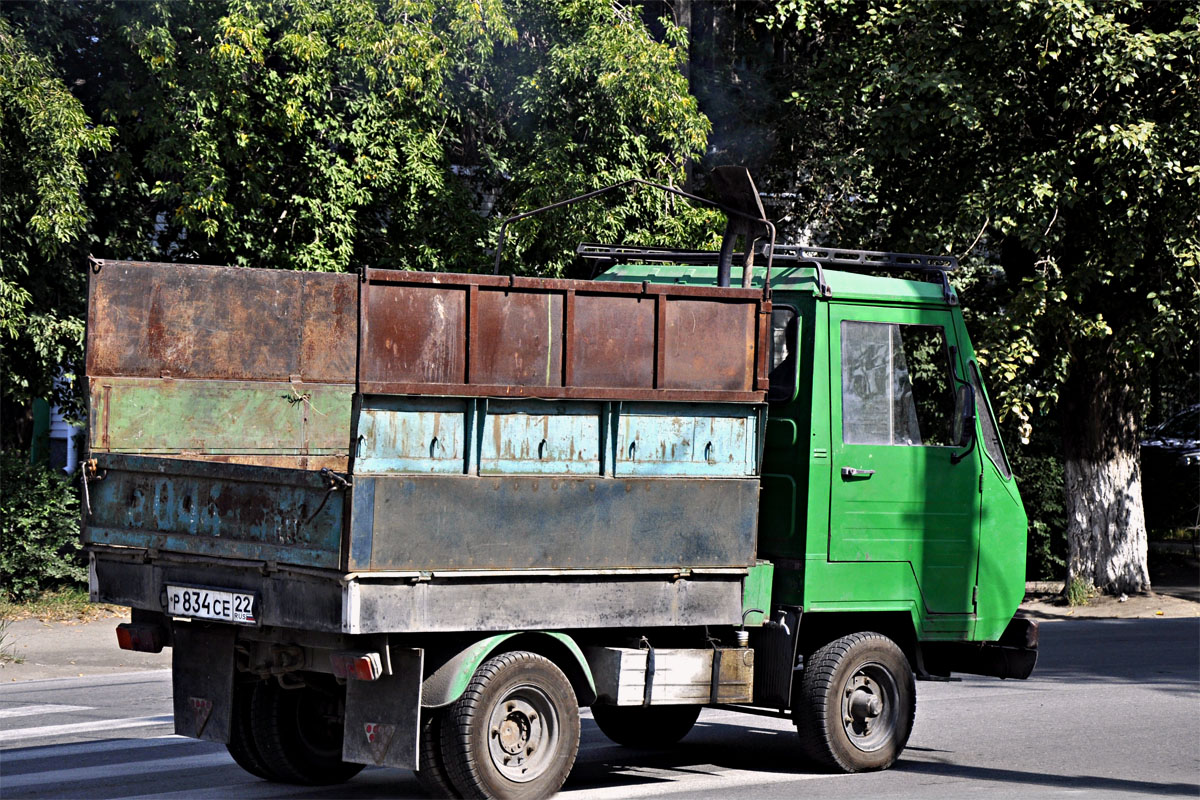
869 704
523 733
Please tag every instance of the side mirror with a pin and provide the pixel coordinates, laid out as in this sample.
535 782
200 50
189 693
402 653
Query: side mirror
963 432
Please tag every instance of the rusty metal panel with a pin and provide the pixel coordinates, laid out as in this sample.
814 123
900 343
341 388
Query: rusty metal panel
519 339
414 334
535 437
201 418
227 510
443 522
614 345
493 336
191 321
709 346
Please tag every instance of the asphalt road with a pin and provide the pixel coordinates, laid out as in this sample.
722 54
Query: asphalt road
1112 711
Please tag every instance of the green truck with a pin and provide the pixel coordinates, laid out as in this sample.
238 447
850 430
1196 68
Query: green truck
419 520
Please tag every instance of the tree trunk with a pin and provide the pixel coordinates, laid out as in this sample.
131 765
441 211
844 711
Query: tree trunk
1106 525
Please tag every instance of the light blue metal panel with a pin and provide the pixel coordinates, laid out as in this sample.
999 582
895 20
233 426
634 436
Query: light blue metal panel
672 439
402 434
532 437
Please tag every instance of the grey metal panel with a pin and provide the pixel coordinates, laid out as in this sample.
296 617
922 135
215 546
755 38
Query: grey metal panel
383 716
286 600
202 680
484 605
441 522
476 604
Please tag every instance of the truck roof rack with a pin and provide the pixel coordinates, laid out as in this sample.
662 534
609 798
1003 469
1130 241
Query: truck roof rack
819 257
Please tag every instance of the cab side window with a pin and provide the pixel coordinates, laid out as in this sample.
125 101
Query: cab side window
896 384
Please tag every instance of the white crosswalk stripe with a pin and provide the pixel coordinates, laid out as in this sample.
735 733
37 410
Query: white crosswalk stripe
43 731
44 709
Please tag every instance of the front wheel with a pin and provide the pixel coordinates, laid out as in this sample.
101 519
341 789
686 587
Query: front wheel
645 726
856 704
514 733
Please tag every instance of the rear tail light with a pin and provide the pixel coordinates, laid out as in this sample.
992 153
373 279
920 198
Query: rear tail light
359 666
141 636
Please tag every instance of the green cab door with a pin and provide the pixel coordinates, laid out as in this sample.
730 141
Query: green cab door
897 494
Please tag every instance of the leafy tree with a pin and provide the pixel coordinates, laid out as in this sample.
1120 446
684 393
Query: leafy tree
1057 141
46 141
329 134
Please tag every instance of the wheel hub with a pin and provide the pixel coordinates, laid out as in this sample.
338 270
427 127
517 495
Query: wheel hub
521 732
868 707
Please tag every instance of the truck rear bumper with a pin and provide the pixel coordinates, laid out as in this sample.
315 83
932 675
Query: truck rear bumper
330 601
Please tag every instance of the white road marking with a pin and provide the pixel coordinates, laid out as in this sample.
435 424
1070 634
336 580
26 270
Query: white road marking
104 772
29 711
22 734
61 751
668 782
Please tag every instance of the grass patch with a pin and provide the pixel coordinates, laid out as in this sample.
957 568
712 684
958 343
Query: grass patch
1078 592
6 645
59 605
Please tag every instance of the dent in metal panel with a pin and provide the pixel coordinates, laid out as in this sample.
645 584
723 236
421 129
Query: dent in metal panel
534 437
614 341
675 439
411 435
414 334
519 340
709 345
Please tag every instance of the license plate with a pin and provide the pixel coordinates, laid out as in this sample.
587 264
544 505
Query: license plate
218 604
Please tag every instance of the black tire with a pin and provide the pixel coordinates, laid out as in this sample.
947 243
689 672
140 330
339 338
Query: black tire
431 767
241 739
514 733
645 726
299 732
856 704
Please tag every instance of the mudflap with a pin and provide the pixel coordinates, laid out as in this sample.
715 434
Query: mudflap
383 716
202 677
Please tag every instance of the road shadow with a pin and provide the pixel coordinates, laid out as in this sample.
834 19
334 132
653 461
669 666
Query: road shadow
1019 778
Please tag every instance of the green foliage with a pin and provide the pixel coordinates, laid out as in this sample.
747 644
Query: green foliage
45 141
1078 591
39 530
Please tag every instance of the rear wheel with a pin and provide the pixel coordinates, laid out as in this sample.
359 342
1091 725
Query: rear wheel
431 766
645 726
241 739
299 731
856 703
514 733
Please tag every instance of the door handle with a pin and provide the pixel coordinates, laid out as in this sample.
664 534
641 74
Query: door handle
855 472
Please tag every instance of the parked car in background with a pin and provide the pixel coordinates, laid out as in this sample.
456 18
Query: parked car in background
1171 472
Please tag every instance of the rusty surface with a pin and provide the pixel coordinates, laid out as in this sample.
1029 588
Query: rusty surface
709 346
496 336
189 321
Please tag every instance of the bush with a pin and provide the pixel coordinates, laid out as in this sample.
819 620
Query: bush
39 529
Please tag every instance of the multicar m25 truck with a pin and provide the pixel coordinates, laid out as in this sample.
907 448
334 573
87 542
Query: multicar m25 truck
420 520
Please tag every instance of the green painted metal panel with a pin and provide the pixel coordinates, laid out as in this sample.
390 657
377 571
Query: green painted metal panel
203 417
909 502
449 681
756 592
